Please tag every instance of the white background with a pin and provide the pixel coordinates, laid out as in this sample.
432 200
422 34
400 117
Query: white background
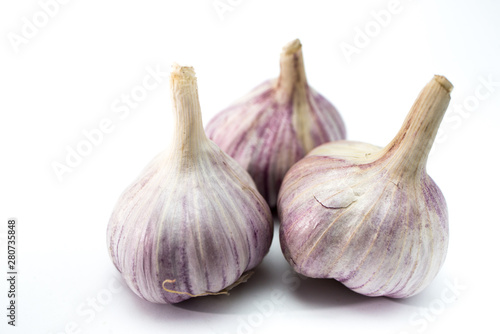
65 78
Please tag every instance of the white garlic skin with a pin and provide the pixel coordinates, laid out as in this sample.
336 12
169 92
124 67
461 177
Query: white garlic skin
276 124
375 234
193 216
368 217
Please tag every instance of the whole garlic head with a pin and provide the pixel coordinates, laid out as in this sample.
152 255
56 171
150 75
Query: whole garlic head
193 223
276 124
368 217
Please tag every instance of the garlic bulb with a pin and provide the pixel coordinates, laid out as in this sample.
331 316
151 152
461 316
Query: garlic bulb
193 222
368 217
276 124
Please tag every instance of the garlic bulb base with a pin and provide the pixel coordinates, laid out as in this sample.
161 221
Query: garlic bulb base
243 278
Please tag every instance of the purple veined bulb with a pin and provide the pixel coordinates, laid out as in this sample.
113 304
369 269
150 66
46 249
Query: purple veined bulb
370 217
276 124
193 223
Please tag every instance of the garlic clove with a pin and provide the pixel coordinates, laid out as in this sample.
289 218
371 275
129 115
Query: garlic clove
276 124
370 217
193 223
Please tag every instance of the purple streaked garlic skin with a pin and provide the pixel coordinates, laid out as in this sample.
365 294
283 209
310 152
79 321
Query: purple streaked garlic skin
193 223
276 124
370 217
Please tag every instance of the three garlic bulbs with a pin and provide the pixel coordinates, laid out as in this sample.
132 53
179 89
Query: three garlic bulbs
368 217
193 223
197 220
276 124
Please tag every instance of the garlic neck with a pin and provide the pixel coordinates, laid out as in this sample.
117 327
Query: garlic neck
292 79
291 88
189 135
407 153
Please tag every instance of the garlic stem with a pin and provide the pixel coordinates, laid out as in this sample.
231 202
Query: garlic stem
408 151
190 135
292 77
292 87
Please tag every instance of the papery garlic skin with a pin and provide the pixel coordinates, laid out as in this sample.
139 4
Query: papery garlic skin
193 221
368 217
276 124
